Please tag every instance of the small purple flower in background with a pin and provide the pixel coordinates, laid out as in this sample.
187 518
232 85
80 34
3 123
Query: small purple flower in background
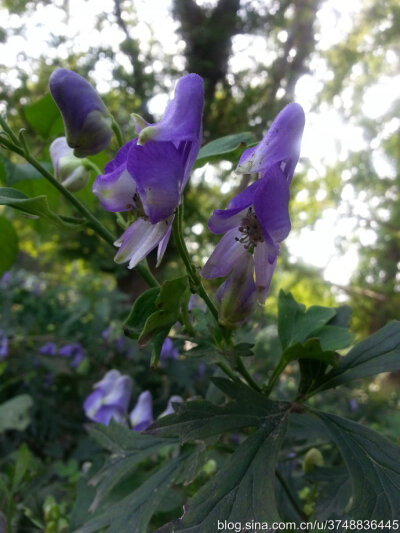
354 405
170 408
73 350
3 345
110 398
141 415
69 170
168 351
257 219
5 279
49 348
149 173
87 122
105 334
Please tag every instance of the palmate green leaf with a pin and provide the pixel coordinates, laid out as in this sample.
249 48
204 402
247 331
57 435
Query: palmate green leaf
44 117
9 244
200 419
242 490
378 353
36 207
142 308
133 513
296 324
311 349
169 302
373 463
227 147
128 449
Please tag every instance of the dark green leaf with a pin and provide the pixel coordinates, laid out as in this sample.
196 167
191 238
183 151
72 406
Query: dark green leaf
373 463
44 117
9 244
11 173
244 349
142 308
168 303
311 349
334 492
334 337
199 419
128 449
35 207
342 318
133 513
378 353
242 490
224 145
288 311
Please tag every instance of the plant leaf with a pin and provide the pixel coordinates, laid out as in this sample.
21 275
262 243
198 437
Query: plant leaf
142 308
229 144
15 413
373 463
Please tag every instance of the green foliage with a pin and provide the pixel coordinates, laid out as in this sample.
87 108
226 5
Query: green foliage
36 207
15 413
9 243
229 147
44 117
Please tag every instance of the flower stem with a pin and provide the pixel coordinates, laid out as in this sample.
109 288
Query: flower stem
118 133
244 372
280 367
195 280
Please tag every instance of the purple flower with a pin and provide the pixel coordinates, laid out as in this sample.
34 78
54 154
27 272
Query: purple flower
354 405
87 122
110 398
69 170
170 407
257 219
148 173
141 415
3 345
168 351
6 279
73 350
49 348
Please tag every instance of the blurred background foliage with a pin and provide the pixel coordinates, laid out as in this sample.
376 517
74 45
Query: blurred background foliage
339 59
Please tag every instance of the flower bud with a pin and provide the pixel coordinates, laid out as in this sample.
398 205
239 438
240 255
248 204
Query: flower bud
87 121
312 459
69 170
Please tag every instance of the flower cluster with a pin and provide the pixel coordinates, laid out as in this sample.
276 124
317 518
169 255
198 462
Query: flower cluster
72 351
110 400
149 173
257 219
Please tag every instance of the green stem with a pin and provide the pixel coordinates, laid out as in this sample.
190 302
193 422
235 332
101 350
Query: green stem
89 165
195 280
225 368
280 367
292 499
244 372
118 133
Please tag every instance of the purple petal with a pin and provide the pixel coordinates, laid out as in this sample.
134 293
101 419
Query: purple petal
116 188
168 350
86 119
238 293
245 198
107 383
92 403
164 242
157 170
271 204
223 220
58 149
226 254
139 240
181 123
263 269
170 408
120 393
281 144
48 349
106 413
142 414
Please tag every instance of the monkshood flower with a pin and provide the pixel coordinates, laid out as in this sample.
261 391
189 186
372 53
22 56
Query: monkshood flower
5 280
49 348
141 415
69 170
148 173
87 121
74 351
168 351
257 219
110 398
170 407
3 345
